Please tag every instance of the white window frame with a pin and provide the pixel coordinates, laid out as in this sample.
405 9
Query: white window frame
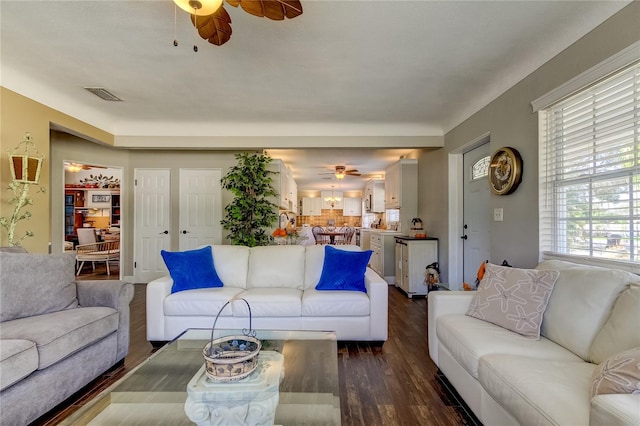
549 238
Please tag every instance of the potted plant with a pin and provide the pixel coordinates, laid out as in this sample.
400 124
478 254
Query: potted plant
251 212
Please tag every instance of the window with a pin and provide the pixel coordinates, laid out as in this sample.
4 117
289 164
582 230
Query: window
590 171
480 168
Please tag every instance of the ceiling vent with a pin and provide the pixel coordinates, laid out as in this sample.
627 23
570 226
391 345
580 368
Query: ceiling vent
103 93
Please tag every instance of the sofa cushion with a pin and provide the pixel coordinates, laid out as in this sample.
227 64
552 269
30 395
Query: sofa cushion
619 373
18 359
35 284
200 302
191 269
269 302
343 270
276 266
622 329
73 330
327 303
314 261
539 391
513 298
614 410
581 302
468 339
232 264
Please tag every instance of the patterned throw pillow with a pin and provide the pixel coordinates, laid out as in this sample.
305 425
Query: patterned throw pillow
618 374
513 298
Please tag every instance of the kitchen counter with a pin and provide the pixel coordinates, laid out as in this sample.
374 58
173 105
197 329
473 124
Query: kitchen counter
408 238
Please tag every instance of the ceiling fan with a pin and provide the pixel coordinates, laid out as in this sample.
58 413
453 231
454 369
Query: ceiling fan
214 23
341 172
76 167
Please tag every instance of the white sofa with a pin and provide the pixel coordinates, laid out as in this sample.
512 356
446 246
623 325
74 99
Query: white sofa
508 379
279 284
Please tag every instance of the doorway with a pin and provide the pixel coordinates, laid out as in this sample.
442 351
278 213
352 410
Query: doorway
92 200
476 218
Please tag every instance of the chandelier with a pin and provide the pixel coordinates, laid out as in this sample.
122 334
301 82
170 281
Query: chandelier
333 199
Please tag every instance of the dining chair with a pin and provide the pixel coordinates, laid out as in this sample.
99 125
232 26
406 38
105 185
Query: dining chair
320 239
106 251
348 234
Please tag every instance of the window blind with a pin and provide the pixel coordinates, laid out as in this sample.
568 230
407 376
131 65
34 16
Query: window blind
590 171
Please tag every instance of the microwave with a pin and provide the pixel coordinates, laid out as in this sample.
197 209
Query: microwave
367 203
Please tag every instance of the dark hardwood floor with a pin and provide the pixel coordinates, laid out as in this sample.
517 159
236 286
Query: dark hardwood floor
392 384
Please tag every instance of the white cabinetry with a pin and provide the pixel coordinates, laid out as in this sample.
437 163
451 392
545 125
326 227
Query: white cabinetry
311 206
401 191
374 196
287 188
383 257
352 207
412 258
401 183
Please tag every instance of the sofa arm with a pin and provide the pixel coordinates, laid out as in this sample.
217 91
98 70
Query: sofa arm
378 291
444 303
614 410
157 291
113 294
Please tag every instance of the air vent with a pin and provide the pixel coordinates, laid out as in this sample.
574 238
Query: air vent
103 93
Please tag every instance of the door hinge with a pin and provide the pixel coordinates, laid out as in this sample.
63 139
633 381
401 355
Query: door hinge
135 264
135 182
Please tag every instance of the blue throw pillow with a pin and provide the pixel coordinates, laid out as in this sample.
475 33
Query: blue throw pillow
343 270
191 269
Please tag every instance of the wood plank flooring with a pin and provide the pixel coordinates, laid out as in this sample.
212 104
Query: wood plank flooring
393 384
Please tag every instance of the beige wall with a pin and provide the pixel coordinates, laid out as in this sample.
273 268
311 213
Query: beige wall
19 115
510 122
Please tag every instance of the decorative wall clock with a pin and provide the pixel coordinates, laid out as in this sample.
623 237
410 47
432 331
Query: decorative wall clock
505 171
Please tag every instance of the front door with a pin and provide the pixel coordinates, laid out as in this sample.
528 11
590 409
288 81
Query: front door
152 223
476 211
200 207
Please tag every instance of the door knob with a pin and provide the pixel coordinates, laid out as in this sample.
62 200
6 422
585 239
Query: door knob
184 231
165 232
464 237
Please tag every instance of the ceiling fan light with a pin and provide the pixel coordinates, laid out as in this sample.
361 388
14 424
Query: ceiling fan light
199 7
340 175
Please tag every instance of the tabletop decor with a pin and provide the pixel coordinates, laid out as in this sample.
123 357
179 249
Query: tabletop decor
231 358
25 171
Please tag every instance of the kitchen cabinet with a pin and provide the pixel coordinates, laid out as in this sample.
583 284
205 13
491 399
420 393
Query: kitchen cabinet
286 187
374 192
311 206
352 207
382 245
412 257
115 209
72 217
401 183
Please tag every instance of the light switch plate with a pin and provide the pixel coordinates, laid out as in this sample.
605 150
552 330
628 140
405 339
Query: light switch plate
498 214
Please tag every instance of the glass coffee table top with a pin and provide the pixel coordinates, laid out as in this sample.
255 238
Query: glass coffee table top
155 392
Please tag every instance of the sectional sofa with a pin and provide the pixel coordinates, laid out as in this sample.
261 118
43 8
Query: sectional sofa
583 370
279 284
56 335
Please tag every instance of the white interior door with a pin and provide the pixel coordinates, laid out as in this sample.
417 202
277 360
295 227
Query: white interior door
476 211
200 207
152 222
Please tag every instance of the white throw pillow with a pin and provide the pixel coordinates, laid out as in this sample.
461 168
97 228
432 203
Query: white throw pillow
513 298
618 374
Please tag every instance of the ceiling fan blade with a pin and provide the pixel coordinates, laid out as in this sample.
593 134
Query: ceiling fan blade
276 10
354 174
215 28
351 171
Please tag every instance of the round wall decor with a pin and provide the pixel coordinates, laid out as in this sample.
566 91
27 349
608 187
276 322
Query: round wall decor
505 171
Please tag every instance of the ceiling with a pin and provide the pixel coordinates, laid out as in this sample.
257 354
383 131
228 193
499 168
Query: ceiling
370 68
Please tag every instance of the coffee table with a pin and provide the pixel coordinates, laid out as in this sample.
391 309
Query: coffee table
155 391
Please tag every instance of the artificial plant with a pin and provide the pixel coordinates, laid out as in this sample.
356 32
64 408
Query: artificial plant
251 212
25 171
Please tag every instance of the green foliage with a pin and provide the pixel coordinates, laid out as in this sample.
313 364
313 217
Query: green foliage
251 211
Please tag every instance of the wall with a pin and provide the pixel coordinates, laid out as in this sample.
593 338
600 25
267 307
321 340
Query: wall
19 115
510 122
